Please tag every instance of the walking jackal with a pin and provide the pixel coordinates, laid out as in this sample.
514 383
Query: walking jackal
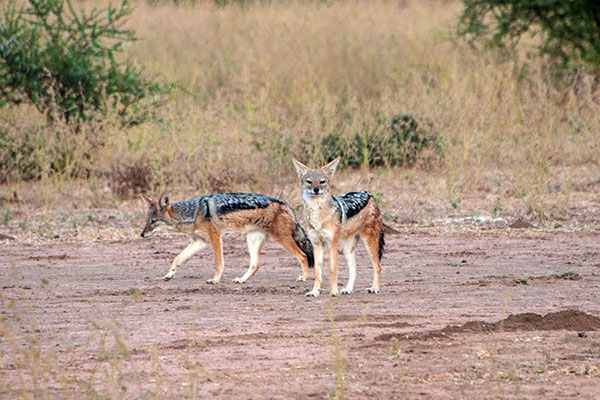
205 219
342 219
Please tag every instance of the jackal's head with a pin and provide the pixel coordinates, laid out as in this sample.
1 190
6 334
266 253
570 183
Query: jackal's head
157 215
316 182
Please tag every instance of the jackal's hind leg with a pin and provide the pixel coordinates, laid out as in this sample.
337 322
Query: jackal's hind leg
283 235
371 241
293 248
189 251
318 252
255 241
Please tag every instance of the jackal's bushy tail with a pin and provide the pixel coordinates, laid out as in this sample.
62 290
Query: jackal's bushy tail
304 243
381 243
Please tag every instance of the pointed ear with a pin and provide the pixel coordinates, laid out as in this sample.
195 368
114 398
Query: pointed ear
330 168
146 199
164 201
301 169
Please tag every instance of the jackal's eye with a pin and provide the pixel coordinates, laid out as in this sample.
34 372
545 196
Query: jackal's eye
309 181
322 181
153 221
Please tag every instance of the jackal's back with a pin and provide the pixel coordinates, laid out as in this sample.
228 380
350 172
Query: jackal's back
217 205
228 202
351 203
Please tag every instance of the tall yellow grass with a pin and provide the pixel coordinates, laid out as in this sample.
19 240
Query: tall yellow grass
263 78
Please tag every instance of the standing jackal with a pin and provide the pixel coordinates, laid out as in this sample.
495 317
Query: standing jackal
343 218
204 219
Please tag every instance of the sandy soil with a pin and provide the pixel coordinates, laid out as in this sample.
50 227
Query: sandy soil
94 319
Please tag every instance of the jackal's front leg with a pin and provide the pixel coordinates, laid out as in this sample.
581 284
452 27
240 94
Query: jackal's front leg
333 264
189 251
348 247
217 245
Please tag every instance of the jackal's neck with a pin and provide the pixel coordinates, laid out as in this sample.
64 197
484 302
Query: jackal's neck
185 211
319 208
175 216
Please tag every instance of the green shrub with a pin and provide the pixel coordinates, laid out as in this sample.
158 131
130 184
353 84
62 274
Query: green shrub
400 143
68 64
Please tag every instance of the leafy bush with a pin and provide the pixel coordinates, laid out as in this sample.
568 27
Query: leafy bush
68 63
400 143
408 140
570 29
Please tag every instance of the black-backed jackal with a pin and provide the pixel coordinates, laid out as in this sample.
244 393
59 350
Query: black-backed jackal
342 219
204 219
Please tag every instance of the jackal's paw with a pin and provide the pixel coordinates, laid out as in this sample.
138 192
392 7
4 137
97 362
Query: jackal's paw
238 280
346 291
213 281
167 277
372 290
335 293
301 278
313 293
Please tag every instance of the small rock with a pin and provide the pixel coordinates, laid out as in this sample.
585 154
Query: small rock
520 224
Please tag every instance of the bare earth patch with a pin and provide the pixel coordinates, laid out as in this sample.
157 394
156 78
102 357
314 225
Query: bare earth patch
91 319
571 320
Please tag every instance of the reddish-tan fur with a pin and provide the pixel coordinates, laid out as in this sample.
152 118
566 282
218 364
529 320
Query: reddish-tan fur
327 229
276 220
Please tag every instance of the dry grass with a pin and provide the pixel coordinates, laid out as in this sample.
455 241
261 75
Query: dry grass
267 79
261 83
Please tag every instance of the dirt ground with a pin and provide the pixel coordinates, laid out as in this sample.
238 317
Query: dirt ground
453 320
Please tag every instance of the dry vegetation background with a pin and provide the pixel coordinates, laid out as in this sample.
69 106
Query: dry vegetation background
259 84
269 80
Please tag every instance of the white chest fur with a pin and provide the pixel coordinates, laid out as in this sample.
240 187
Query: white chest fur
318 210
